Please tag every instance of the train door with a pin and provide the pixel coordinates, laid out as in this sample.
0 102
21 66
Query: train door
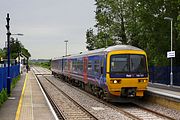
69 67
85 62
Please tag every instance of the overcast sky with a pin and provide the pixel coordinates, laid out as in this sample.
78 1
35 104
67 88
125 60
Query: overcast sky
47 23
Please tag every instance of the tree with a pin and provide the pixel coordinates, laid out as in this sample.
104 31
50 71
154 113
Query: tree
16 48
25 52
110 20
90 39
139 23
2 53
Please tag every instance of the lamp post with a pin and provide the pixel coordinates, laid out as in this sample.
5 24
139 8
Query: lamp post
66 41
171 73
8 53
8 56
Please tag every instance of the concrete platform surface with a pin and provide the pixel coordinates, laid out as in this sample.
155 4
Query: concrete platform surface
165 92
27 102
9 108
164 95
34 105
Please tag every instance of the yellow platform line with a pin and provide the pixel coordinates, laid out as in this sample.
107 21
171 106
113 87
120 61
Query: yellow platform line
20 101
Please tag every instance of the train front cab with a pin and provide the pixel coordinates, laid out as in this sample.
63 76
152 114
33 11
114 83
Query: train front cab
127 73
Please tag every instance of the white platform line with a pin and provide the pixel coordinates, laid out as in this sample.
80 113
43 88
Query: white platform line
49 104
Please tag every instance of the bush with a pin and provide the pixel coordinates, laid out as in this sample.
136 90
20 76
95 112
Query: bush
3 96
14 81
42 64
3 93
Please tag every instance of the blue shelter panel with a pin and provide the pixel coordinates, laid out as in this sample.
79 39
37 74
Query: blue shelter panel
5 77
1 79
14 72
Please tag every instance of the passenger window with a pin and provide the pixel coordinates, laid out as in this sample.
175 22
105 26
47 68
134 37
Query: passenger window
96 67
90 67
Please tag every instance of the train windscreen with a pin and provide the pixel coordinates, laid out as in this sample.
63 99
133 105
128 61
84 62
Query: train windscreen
128 63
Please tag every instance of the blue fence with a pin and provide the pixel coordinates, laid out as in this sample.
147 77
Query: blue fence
162 75
14 72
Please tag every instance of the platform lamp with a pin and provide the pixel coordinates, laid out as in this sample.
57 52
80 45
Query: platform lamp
8 54
171 73
66 41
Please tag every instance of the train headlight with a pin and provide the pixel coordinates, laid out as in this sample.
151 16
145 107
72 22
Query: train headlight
142 80
115 81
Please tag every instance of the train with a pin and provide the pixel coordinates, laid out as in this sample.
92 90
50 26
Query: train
116 73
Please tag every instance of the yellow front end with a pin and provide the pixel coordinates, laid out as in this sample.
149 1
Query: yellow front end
118 86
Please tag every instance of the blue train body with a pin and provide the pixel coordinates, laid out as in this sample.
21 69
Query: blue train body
95 70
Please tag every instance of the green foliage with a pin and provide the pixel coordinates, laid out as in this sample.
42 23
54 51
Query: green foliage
3 93
42 64
26 52
3 96
139 23
2 53
14 81
15 49
90 39
110 22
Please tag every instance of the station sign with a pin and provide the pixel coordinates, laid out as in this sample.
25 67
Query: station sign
170 54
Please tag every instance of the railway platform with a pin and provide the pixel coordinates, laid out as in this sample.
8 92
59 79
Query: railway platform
165 90
27 102
165 95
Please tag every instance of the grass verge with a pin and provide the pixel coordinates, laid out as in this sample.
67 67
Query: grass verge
3 93
14 81
3 96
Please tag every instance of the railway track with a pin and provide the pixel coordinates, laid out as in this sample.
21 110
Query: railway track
154 112
133 111
66 107
143 113
53 103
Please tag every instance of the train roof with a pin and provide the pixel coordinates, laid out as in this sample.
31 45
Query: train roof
121 47
102 50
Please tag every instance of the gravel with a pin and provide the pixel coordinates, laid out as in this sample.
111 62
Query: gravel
161 109
100 110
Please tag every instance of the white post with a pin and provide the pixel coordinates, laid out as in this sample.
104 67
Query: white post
66 46
171 73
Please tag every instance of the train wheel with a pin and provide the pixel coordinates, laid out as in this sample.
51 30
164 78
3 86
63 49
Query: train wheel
82 86
95 91
101 94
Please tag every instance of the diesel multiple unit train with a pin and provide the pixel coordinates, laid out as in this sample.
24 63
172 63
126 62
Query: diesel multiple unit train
113 73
